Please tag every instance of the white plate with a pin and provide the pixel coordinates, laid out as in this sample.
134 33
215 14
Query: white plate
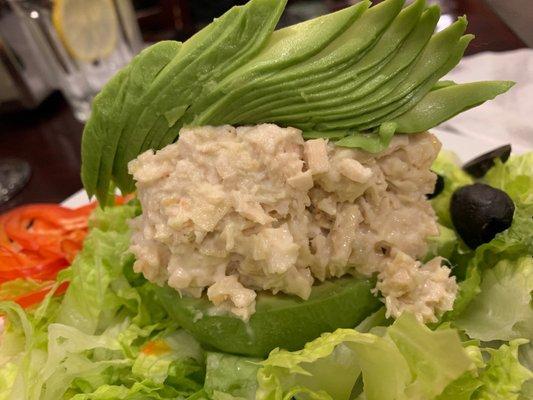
78 199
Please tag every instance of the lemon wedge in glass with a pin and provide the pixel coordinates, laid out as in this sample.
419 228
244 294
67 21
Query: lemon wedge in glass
87 29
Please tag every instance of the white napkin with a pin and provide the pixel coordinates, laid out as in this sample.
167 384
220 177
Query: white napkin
506 119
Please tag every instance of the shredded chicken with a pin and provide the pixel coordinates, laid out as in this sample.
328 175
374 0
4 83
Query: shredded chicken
238 210
426 291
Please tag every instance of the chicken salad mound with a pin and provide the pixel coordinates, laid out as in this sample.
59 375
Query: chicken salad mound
232 211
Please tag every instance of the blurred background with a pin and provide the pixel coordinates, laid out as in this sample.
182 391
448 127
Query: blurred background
55 55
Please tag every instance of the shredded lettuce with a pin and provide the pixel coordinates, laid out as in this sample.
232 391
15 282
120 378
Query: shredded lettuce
495 300
501 377
7 379
515 177
463 388
109 338
468 290
96 343
416 363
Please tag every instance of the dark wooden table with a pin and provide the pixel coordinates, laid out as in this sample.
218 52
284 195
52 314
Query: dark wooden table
49 137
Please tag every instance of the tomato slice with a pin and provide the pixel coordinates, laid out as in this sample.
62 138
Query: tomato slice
15 265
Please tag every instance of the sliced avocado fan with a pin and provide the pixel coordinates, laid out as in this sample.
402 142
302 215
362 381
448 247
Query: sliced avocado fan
357 77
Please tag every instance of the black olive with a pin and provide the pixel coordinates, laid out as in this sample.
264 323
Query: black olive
479 212
439 187
479 166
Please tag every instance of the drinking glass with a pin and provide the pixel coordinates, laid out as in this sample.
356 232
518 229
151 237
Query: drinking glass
14 175
83 42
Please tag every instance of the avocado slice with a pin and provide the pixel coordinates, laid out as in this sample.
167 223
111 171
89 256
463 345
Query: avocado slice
381 53
382 83
388 112
371 97
208 56
375 118
106 106
351 75
423 89
142 71
372 142
348 47
279 321
304 39
163 131
442 104
133 128
437 52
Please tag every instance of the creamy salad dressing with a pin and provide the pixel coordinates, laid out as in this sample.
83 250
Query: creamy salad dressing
237 210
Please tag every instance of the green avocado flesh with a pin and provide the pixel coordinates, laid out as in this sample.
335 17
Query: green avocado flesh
357 76
279 321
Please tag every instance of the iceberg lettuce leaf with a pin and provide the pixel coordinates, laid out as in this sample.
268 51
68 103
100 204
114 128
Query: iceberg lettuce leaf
500 377
504 376
230 377
416 363
443 245
514 177
504 309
